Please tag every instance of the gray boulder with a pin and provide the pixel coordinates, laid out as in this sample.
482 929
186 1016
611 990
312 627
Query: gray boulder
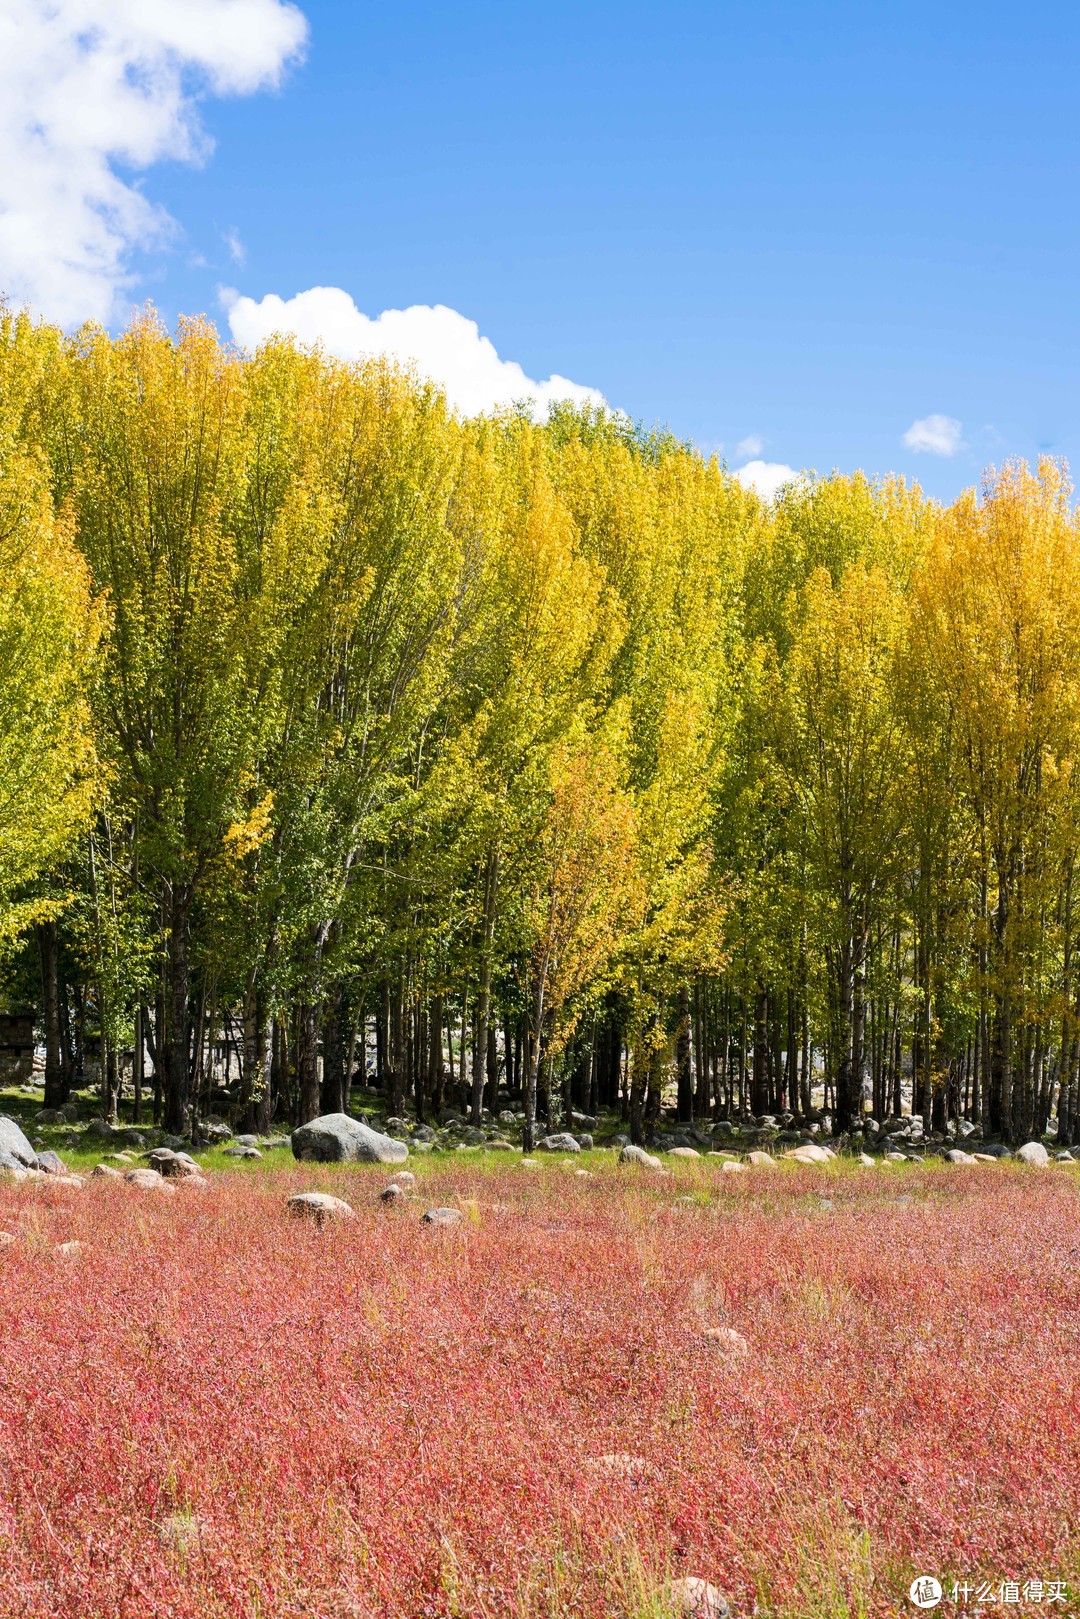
442 1217
335 1138
52 1163
559 1143
14 1145
1033 1152
638 1155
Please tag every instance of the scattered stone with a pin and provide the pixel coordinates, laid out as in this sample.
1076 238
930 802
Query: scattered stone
956 1155
810 1153
866 1161
403 1177
318 1206
727 1342
637 1155
70 1250
176 1165
761 1160
1034 1153
212 1132
6 1239
694 1598
442 1217
684 1152
392 1194
49 1115
51 1163
731 1166
563 1142
241 1152
618 1464
105 1172
148 1180
335 1138
98 1130
895 1158
995 1149
247 1141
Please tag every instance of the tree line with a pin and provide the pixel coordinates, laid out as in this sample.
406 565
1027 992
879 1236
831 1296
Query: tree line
546 754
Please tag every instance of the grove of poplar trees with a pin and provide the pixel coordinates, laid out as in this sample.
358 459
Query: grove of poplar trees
545 760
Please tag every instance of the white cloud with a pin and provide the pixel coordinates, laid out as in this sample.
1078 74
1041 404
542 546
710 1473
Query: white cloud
441 343
767 478
937 435
752 445
237 250
88 84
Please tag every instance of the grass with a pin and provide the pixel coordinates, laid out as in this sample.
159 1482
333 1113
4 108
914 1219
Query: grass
210 1409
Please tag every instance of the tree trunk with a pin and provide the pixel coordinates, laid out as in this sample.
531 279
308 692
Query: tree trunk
56 1085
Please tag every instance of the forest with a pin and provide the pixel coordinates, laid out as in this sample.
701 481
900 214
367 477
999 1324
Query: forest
542 756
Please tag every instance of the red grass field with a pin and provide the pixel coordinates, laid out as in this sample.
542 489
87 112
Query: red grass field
212 1409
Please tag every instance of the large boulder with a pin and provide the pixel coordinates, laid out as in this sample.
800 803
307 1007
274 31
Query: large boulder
562 1142
1033 1152
16 1153
335 1138
810 1153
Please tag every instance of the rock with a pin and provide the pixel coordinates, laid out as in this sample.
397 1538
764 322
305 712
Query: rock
583 1121
69 1250
241 1152
637 1155
956 1155
995 1149
148 1180
49 1115
105 1172
761 1160
810 1153
335 1138
500 1146
276 1141
247 1141
393 1194
98 1130
694 1598
403 1177
6 1239
14 1145
173 1164
618 1464
51 1163
444 1217
895 1158
1034 1153
983 1158
69 1112
212 1133
731 1166
318 1206
585 1142
563 1142
684 1152
1063 1157
727 1342
866 1161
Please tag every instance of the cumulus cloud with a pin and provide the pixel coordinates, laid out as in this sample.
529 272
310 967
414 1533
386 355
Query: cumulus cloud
237 250
936 435
86 85
442 344
767 478
752 445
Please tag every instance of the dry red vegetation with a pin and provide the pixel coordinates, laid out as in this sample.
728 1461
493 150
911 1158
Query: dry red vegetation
211 1409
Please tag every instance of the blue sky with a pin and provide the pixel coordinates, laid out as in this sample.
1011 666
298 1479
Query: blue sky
787 230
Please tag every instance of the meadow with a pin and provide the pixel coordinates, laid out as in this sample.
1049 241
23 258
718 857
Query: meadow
210 1408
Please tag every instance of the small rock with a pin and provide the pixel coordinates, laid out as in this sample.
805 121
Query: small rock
727 1342
956 1155
694 1598
51 1163
403 1177
637 1155
241 1152
148 1180
442 1217
731 1166
6 1239
70 1250
563 1142
865 1160
810 1153
1033 1152
684 1152
392 1194
761 1160
105 1172
318 1206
